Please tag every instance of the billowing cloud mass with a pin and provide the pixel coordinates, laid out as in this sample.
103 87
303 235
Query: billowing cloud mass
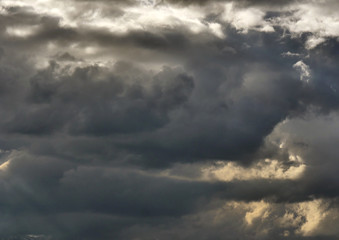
171 119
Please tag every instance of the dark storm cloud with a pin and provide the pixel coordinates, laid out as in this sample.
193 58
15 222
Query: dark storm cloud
95 101
52 185
66 57
51 196
223 107
84 106
115 191
77 131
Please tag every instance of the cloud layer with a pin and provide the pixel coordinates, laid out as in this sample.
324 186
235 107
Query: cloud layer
169 119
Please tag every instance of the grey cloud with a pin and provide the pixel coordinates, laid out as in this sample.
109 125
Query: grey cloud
94 140
66 57
220 113
96 101
241 3
53 185
54 198
59 198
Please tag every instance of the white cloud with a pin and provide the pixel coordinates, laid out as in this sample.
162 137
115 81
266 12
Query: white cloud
311 218
21 32
246 19
314 41
146 15
316 18
266 169
4 166
257 210
308 218
290 54
314 212
304 70
216 29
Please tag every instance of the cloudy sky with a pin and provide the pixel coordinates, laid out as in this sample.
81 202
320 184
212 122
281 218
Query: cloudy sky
169 119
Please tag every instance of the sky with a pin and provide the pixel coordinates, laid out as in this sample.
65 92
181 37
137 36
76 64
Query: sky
169 119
